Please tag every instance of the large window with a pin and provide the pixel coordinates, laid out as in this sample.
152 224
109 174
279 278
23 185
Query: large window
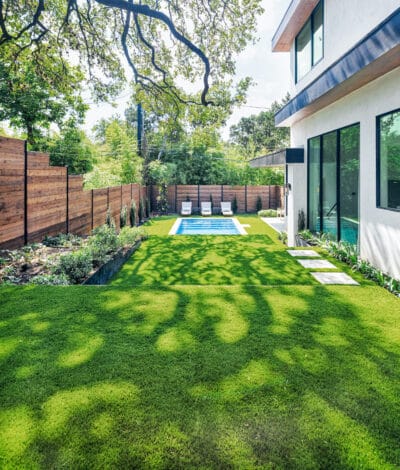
388 127
310 43
333 178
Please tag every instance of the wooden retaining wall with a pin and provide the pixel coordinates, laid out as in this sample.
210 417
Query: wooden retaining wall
37 199
272 197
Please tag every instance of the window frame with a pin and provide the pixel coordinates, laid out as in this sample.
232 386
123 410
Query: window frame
378 160
312 32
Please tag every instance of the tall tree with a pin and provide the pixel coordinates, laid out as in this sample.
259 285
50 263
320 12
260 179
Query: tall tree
164 41
258 133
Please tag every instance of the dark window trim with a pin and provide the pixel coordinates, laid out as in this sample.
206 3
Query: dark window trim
311 20
321 186
378 160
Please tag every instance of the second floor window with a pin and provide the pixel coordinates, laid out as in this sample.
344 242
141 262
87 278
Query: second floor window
310 43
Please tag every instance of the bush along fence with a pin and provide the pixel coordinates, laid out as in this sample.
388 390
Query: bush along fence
243 198
37 199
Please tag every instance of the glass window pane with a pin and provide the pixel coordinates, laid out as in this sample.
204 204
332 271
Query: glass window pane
314 185
349 180
329 184
390 161
318 34
303 51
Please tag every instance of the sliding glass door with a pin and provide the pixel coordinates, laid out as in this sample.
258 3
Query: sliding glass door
333 179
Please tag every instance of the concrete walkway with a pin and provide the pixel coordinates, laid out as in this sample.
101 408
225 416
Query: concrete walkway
277 223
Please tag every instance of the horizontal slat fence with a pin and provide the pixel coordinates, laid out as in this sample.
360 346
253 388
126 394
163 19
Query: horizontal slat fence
37 199
272 197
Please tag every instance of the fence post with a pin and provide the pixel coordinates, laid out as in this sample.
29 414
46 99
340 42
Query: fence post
245 198
176 199
108 197
198 196
67 202
222 192
25 193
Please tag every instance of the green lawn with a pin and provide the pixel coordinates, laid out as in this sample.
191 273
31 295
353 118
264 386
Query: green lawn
216 376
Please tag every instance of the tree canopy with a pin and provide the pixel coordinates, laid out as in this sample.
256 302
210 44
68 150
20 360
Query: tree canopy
163 41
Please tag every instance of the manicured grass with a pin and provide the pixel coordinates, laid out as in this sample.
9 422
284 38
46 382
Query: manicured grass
256 259
211 377
169 376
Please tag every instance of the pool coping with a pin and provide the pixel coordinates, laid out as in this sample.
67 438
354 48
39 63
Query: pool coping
236 222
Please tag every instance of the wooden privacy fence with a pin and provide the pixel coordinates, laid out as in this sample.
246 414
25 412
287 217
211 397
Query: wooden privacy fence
37 199
246 196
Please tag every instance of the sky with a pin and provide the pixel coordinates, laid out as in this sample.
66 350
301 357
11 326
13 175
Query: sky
270 71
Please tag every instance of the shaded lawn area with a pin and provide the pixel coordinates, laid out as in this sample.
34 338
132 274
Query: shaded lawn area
256 259
210 377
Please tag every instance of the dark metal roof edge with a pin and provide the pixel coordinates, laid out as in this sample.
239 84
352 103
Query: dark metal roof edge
305 97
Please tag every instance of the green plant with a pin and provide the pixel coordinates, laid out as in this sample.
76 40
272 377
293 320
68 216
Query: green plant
76 266
62 240
133 214
258 203
306 235
301 221
102 243
50 280
234 205
283 237
211 200
123 217
267 213
142 214
109 219
130 235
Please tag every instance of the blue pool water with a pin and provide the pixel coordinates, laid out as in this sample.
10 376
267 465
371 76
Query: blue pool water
207 227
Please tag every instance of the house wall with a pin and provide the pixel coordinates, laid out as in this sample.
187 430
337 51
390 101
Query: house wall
379 228
357 18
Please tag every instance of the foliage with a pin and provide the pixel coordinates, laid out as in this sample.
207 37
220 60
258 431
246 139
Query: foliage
133 214
162 174
71 148
283 237
301 222
102 243
76 266
128 236
234 204
50 280
267 213
110 222
142 209
62 240
258 204
123 217
257 133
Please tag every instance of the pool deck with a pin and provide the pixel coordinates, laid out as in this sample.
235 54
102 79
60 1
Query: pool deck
278 224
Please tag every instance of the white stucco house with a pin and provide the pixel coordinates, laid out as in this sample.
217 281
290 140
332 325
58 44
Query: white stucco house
343 169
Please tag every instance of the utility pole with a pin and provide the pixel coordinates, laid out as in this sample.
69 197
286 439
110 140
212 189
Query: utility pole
139 128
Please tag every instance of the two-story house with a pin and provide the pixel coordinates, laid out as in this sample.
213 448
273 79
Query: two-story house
345 115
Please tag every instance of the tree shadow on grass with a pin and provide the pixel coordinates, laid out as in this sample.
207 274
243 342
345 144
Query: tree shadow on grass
252 260
219 377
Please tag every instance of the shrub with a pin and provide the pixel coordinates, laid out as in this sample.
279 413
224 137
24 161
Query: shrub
50 280
258 204
267 213
133 214
142 214
75 266
123 217
62 240
103 242
234 205
109 219
301 221
129 235
283 237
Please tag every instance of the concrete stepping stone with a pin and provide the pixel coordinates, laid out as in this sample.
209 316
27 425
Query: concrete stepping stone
334 278
303 253
316 264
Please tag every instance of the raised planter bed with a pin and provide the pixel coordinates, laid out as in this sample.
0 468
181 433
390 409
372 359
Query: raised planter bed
105 272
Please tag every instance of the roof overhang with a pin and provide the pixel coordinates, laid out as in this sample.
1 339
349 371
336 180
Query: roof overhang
374 56
281 158
295 17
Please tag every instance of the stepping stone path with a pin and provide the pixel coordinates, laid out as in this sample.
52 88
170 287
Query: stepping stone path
321 277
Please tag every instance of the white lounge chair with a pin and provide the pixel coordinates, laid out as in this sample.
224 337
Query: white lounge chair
186 208
206 208
226 209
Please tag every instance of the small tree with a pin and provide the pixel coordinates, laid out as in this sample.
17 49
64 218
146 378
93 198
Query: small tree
162 174
109 219
133 214
123 216
234 205
258 203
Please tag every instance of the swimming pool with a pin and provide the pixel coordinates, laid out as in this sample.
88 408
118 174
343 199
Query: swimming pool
230 226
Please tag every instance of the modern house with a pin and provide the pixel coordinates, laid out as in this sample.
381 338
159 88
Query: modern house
345 123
